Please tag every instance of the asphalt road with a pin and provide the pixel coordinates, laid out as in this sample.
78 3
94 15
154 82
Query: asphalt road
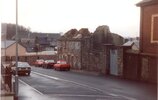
68 85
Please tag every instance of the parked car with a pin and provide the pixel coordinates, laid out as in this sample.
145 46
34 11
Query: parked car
62 65
22 68
48 64
39 63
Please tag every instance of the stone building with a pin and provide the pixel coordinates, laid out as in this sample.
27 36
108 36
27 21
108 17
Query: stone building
103 42
87 51
71 46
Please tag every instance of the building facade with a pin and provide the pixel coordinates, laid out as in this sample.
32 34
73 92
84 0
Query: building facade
143 63
149 39
71 47
8 48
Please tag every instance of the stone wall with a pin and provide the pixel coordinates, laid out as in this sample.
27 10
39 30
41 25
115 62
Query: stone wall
149 65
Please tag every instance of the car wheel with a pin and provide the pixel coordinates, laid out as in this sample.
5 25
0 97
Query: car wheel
58 69
54 68
28 74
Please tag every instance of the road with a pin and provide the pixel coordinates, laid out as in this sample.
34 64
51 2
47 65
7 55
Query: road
68 85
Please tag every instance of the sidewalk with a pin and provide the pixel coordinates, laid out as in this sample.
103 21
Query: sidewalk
26 92
8 96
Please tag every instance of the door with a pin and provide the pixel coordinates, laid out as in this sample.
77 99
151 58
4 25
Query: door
113 62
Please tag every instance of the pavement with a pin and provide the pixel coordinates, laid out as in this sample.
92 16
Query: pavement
26 92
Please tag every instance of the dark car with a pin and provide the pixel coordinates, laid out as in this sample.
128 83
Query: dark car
39 63
22 68
62 65
48 64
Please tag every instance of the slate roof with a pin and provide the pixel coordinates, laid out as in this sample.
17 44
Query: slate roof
7 43
49 35
34 35
131 43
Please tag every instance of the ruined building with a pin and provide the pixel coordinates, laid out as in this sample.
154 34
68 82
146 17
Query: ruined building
71 46
88 51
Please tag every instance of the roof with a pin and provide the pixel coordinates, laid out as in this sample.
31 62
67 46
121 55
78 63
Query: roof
7 43
131 43
49 35
74 34
147 2
34 35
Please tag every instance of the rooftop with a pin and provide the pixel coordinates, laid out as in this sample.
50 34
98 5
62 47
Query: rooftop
147 2
7 43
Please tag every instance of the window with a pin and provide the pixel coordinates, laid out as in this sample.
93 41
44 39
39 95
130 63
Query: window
154 28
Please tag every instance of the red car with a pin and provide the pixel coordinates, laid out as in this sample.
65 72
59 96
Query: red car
39 63
61 65
48 64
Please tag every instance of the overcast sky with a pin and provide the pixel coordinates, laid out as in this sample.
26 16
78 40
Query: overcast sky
122 16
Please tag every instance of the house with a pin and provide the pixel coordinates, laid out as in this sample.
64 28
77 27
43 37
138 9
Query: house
8 48
142 64
149 39
134 44
46 41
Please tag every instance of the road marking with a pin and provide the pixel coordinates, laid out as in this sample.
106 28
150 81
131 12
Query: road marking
91 88
78 95
55 78
31 87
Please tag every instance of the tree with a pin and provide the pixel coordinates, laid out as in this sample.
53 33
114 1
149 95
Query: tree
11 30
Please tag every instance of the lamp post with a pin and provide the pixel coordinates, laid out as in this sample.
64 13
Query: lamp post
16 75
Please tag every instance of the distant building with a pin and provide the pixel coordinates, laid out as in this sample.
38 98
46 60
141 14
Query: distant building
8 48
46 41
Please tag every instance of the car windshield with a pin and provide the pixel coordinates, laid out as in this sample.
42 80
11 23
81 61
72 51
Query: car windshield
40 60
23 64
50 61
61 62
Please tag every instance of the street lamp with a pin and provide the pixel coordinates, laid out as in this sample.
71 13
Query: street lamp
16 75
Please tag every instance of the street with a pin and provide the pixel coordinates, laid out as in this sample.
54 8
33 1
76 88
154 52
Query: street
69 85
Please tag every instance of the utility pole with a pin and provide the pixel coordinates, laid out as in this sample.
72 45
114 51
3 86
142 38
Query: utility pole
16 75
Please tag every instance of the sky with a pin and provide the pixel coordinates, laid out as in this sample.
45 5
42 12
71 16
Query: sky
54 16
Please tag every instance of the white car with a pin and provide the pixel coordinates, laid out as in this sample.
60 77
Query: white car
22 68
